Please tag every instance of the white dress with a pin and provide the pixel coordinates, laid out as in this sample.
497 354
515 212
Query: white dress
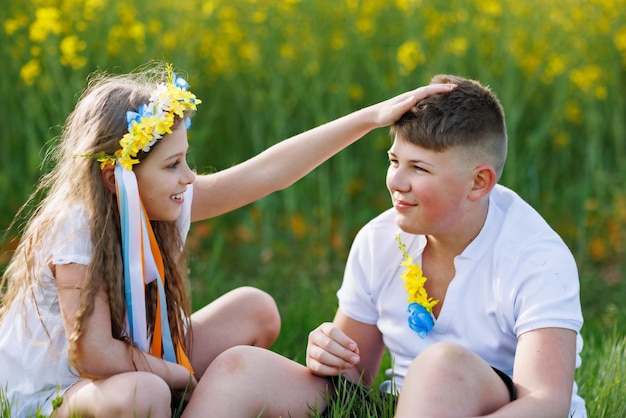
34 365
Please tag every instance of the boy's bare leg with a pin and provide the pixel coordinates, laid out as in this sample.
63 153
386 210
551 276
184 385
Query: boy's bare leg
447 380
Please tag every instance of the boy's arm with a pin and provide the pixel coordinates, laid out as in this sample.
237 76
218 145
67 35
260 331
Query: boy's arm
347 347
545 363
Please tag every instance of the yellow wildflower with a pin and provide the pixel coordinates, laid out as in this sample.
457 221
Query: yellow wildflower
409 56
30 71
47 21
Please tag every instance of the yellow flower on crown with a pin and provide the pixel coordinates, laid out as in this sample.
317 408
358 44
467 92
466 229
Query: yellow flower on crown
152 120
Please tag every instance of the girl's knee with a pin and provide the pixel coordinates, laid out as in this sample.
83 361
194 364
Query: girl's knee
233 364
263 311
145 394
257 298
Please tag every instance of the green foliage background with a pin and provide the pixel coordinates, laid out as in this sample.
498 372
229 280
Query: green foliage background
266 70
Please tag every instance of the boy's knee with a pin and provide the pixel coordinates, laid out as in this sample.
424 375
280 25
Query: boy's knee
446 353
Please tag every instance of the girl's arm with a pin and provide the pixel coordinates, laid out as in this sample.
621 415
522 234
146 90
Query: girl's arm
98 353
286 162
345 346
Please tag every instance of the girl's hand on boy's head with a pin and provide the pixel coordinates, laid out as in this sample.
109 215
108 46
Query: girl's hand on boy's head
330 352
389 111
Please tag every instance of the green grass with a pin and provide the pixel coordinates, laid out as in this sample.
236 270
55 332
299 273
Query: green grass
267 70
305 294
602 378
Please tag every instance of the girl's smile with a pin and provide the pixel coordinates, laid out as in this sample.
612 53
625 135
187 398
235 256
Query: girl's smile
164 175
179 198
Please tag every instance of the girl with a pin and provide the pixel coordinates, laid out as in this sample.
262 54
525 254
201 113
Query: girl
95 319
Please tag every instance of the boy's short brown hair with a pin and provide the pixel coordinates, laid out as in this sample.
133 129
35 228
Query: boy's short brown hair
469 117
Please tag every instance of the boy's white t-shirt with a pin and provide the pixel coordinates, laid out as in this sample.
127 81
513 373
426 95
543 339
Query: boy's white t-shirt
34 365
516 276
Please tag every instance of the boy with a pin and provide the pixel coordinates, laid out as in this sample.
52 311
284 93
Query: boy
497 318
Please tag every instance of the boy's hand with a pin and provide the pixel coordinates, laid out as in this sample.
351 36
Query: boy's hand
330 352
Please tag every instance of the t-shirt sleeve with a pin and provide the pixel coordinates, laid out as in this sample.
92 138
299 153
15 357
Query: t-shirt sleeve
548 292
71 241
355 294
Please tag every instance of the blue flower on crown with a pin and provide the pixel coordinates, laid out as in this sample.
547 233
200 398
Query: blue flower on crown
179 82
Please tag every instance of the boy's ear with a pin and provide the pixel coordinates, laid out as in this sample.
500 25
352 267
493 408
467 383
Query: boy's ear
108 177
484 180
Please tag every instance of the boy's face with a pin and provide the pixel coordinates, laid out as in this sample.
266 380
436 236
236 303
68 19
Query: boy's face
429 189
163 176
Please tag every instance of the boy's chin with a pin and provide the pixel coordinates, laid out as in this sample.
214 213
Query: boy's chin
407 227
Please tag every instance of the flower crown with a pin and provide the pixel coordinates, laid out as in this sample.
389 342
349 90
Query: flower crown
152 120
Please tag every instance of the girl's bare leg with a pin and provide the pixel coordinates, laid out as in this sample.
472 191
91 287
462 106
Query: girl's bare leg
249 382
132 395
244 316
447 380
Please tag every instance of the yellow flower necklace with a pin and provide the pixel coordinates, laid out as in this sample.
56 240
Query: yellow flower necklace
421 319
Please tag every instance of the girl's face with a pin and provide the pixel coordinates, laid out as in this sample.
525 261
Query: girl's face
429 189
163 176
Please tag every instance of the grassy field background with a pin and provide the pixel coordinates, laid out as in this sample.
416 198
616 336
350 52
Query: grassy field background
267 70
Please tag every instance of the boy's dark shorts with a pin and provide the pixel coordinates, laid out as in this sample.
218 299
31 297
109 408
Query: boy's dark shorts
508 382
361 398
